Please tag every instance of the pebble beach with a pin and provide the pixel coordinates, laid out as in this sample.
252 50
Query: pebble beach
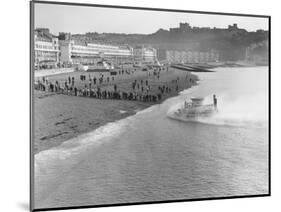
59 117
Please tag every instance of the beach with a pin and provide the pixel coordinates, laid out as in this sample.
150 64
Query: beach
59 117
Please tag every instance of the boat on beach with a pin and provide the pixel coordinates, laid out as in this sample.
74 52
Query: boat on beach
196 109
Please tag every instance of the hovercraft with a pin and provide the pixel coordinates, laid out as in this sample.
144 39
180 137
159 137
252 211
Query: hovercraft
195 108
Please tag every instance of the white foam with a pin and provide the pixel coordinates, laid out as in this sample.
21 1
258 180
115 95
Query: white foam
146 110
246 111
45 161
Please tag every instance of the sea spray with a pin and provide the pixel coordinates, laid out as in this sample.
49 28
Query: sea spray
247 110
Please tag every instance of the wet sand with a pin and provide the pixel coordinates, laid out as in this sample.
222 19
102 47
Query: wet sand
59 117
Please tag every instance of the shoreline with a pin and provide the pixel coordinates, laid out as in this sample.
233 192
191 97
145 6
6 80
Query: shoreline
60 117
67 126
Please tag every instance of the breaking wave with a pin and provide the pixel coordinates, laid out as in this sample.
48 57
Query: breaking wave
51 159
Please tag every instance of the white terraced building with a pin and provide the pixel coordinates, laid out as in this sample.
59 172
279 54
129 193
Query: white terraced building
145 54
174 56
73 52
46 49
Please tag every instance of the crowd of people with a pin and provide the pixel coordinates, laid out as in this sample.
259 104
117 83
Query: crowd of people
104 87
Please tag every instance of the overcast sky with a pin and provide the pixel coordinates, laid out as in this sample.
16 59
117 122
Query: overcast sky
81 19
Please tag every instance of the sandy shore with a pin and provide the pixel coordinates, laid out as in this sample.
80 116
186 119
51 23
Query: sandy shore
59 117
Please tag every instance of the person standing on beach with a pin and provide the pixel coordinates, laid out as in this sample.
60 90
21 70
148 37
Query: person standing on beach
58 86
72 81
51 87
39 84
99 93
215 101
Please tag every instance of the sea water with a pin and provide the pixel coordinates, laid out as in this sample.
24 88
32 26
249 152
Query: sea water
151 157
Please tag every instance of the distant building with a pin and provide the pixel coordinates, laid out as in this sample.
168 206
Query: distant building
183 27
257 52
46 49
174 56
81 52
233 27
161 54
64 36
145 54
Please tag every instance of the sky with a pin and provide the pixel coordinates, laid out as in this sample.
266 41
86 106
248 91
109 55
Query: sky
81 19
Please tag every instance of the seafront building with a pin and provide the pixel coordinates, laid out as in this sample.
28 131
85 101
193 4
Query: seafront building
175 56
89 53
46 49
65 51
74 51
145 54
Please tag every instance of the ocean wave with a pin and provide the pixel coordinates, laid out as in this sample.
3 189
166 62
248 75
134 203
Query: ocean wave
46 160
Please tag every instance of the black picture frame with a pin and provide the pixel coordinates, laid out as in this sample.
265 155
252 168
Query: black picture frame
31 111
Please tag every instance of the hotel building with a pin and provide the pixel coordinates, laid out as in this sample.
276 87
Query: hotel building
82 52
46 49
64 51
